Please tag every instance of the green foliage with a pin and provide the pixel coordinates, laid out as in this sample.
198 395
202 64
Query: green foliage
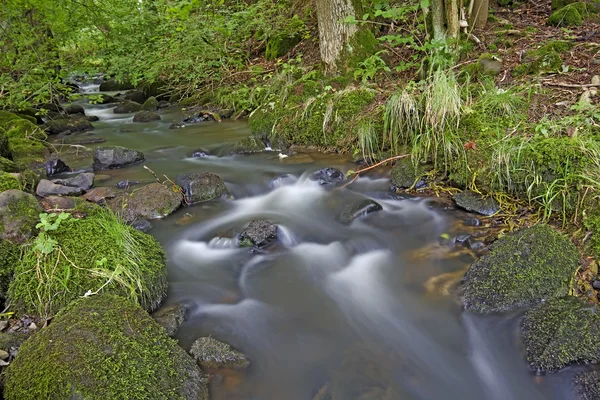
370 67
8 182
72 258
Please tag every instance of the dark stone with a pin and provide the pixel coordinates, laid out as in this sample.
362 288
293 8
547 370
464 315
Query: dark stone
74 109
406 175
93 118
148 202
250 144
115 157
177 125
202 186
127 106
146 116
112 85
163 104
471 222
475 244
142 225
107 99
74 124
561 332
474 202
259 233
359 209
126 183
462 240
57 166
82 181
171 317
200 153
135 95
327 176
522 269
210 353
151 104
596 284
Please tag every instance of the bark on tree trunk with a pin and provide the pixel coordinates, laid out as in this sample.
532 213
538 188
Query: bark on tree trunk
437 19
478 19
334 34
452 18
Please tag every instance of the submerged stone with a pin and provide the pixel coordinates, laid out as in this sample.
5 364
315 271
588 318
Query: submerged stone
146 116
522 269
198 187
259 233
171 317
359 209
210 353
561 332
476 203
103 347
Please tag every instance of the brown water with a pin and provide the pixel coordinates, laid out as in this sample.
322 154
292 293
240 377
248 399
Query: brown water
353 306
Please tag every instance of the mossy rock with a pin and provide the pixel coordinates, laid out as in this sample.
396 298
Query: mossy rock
546 59
127 106
72 124
151 104
523 268
198 187
280 45
587 385
9 257
210 353
19 214
25 142
406 174
8 182
561 332
103 347
112 85
7 165
250 144
152 201
570 15
97 253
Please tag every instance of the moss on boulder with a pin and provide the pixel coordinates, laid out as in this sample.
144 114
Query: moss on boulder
544 60
198 187
406 174
587 385
151 104
19 213
25 146
561 332
523 268
570 15
8 182
152 201
250 144
96 254
103 347
9 257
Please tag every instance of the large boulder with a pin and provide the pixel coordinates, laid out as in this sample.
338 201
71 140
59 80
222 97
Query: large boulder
90 255
151 104
561 332
19 214
202 186
48 188
406 174
74 124
359 209
522 269
103 347
250 144
210 353
146 116
135 95
149 202
112 85
258 233
115 157
127 106
476 203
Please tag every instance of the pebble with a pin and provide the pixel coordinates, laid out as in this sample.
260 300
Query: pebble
596 284
4 355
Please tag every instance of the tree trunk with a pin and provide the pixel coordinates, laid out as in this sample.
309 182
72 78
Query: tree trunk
437 19
478 18
334 34
452 18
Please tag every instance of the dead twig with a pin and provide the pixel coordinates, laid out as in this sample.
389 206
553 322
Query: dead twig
360 171
571 85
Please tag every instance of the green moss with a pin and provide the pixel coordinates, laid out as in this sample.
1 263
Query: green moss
405 174
103 347
250 144
362 45
19 214
280 45
9 257
89 253
8 182
561 332
570 15
521 270
7 165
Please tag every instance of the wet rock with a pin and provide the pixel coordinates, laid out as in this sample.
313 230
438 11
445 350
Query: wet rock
19 214
151 104
210 353
462 240
471 222
596 284
57 203
327 176
522 269
142 225
106 99
561 332
359 209
126 184
93 118
62 125
116 157
146 116
250 144
177 125
259 233
149 202
82 181
406 175
171 317
198 187
48 188
57 166
127 106
74 109
124 354
100 195
200 153
474 202
112 85
135 95
587 385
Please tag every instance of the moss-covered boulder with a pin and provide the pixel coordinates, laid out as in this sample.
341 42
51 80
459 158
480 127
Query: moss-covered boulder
543 60
127 106
406 174
19 213
150 105
9 257
570 15
8 182
146 116
25 142
210 353
73 124
148 202
198 187
247 145
112 85
561 332
522 269
97 254
587 385
103 347
473 202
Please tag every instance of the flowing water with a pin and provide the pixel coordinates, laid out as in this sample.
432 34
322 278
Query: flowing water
353 306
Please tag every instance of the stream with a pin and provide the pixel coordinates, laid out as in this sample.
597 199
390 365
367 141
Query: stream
357 307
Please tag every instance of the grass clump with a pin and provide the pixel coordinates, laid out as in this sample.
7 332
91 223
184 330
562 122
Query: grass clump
72 257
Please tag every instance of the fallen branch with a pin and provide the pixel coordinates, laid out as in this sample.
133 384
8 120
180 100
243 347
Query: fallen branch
571 85
360 171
